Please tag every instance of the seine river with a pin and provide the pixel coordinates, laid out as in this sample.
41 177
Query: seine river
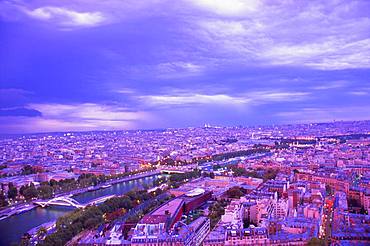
12 228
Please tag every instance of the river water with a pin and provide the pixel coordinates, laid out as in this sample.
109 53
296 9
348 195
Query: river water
12 228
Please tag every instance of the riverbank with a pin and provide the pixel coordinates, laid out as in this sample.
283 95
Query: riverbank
16 210
34 233
24 207
13 228
109 183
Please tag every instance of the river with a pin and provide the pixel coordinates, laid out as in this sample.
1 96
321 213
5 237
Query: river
12 228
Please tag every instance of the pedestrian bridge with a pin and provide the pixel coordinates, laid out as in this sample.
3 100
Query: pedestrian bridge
61 201
70 202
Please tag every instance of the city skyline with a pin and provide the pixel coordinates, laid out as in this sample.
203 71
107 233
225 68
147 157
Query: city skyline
296 184
91 65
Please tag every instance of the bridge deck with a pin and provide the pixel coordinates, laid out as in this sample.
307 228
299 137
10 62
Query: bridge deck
70 202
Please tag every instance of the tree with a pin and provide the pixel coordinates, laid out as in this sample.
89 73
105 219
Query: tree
53 182
28 169
159 181
30 192
3 201
22 189
363 210
216 210
25 240
270 174
91 223
41 232
12 192
235 192
238 171
69 225
216 167
328 190
45 191
247 223
316 242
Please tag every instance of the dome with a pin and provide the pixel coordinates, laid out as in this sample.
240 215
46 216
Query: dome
195 192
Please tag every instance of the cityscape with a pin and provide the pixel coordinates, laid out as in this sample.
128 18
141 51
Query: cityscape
268 185
184 123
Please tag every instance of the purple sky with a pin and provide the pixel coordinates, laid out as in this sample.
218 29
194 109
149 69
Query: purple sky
114 64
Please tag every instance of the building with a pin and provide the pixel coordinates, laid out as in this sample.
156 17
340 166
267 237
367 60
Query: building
163 226
195 198
180 235
247 236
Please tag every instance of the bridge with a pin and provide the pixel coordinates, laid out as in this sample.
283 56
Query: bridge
70 202
176 169
60 201
170 171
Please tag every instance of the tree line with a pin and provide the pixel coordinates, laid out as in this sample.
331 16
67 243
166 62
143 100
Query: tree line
47 190
262 173
216 210
217 157
91 217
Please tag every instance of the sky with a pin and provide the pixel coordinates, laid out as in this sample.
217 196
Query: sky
81 65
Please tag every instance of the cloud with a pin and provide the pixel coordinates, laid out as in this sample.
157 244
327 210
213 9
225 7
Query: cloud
178 69
324 35
66 17
14 92
191 99
278 96
125 91
211 58
40 124
250 98
72 117
331 85
224 28
331 37
176 66
88 111
229 7
19 112
359 93
13 97
326 55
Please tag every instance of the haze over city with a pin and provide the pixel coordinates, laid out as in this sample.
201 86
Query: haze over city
95 65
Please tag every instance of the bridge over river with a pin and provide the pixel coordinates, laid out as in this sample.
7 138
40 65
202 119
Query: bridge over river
16 225
70 202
